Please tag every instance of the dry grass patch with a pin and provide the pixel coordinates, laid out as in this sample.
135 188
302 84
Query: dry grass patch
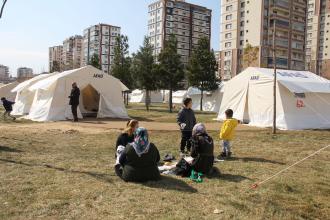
68 175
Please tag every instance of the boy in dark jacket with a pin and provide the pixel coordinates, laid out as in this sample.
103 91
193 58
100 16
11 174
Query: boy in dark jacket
186 120
8 105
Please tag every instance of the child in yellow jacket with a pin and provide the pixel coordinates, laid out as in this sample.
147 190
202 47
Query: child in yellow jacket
227 133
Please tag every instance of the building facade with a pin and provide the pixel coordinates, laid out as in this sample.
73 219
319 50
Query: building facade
72 52
247 34
55 59
217 58
186 21
24 73
100 39
4 73
318 37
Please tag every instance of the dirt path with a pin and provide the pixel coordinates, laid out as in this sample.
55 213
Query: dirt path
103 126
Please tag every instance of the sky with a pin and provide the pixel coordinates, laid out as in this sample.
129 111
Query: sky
29 27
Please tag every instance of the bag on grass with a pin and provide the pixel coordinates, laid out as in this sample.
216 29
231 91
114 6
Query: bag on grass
183 168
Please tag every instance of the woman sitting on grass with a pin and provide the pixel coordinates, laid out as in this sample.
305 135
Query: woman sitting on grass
128 134
139 159
202 150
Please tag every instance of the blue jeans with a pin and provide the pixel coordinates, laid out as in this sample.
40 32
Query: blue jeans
226 146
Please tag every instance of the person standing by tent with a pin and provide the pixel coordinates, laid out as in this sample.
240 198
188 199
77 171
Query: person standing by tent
186 120
8 105
74 101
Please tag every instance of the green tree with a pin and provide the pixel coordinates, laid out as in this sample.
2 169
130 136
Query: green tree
121 67
170 68
95 61
250 56
202 68
143 69
55 67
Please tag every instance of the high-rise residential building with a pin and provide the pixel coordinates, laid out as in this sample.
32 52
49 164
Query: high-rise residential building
318 37
55 58
188 22
100 39
72 52
24 73
249 24
4 73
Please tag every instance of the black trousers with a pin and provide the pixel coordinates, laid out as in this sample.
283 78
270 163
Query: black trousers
185 140
74 112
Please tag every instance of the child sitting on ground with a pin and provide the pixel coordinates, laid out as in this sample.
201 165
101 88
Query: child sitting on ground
8 105
227 133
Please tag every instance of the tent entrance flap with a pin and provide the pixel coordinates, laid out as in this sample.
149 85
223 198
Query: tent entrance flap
90 101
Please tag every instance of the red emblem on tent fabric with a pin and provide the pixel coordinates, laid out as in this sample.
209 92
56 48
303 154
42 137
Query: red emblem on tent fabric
300 103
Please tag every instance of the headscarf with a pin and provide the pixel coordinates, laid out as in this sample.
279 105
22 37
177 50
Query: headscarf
141 143
199 129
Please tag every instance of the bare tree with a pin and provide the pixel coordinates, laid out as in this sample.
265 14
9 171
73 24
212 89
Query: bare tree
2 7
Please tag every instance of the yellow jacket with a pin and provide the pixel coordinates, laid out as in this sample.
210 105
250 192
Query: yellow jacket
227 131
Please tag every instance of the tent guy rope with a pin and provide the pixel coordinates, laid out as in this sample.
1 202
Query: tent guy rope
278 173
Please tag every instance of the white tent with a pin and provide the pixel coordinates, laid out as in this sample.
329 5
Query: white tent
139 96
303 99
178 96
24 96
5 91
100 94
211 100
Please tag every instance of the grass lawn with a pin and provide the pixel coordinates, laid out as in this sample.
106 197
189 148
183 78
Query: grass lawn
160 113
67 174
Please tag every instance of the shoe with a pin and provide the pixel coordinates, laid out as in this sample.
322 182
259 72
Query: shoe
222 156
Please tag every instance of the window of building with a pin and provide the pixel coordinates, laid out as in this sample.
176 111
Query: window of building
227 53
229 8
228 26
228 44
228 17
228 35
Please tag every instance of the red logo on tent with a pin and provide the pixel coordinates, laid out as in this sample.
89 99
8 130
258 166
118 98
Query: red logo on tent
300 103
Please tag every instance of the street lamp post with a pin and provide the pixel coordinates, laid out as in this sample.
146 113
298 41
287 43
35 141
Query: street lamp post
275 75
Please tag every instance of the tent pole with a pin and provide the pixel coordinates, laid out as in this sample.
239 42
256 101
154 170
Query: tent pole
275 74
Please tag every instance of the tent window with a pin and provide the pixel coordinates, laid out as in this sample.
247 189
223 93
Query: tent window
299 95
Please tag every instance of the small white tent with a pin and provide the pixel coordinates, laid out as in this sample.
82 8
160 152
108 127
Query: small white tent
178 96
139 96
211 100
100 94
24 96
5 91
303 99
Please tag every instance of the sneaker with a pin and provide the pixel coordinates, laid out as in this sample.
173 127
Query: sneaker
222 156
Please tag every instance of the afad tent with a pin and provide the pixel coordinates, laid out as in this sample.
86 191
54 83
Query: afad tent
139 96
178 96
100 94
5 91
24 96
303 99
211 100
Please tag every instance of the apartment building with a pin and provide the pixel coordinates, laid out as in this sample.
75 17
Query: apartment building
250 22
4 73
188 22
318 37
55 58
100 39
217 58
24 73
72 52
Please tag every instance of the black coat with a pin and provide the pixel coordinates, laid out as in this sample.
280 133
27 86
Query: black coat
124 139
202 151
8 105
74 96
140 169
187 116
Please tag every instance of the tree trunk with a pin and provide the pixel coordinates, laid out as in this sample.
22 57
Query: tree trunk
170 101
201 107
147 99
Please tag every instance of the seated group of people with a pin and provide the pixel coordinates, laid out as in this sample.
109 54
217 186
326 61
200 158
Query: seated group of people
137 158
